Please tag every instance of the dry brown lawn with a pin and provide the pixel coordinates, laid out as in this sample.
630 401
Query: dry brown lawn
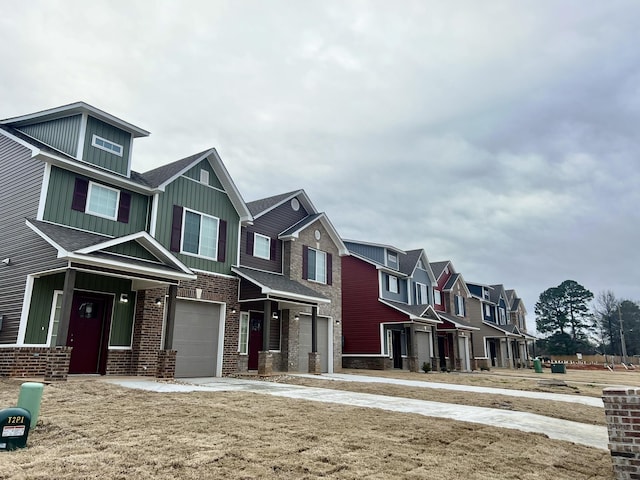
89 429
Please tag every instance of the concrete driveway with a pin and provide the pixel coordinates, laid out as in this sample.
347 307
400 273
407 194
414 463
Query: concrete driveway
589 435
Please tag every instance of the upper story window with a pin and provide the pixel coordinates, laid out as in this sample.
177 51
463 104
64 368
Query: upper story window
261 246
204 176
421 265
317 266
200 234
107 145
460 310
102 201
487 310
485 293
393 286
437 297
422 297
503 316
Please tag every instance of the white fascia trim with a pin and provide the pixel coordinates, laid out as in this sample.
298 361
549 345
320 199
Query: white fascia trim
74 109
269 291
214 274
328 226
504 333
96 174
124 267
409 315
306 203
61 251
145 237
83 131
44 190
34 150
24 315
155 200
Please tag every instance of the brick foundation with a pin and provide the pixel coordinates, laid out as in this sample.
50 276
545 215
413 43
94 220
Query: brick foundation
368 363
166 364
622 410
58 364
315 365
265 363
33 361
119 362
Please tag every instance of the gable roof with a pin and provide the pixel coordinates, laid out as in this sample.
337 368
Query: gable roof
162 176
457 322
371 244
75 108
438 267
264 205
507 330
293 232
414 312
497 293
89 249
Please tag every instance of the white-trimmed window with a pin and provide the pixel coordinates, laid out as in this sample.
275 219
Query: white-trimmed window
392 259
437 297
102 201
204 176
317 266
243 342
200 234
460 311
394 286
422 296
107 145
261 246
487 310
503 316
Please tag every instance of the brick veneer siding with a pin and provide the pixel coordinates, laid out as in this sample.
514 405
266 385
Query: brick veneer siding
166 364
147 332
34 361
368 363
622 410
119 362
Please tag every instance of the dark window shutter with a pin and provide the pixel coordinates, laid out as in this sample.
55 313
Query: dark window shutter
329 269
305 262
386 282
272 253
457 307
176 228
80 194
222 241
125 206
249 243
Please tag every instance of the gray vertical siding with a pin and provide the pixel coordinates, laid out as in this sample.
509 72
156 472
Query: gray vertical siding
61 133
20 184
368 251
102 158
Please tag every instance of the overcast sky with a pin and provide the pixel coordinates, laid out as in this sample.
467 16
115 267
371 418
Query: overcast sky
501 135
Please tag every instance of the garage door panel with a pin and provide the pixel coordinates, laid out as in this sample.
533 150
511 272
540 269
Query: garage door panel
195 339
424 347
305 343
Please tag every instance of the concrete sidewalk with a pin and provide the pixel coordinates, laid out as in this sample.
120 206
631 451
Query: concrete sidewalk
557 397
590 435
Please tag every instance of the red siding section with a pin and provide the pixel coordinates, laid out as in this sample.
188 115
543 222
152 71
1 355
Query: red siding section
362 313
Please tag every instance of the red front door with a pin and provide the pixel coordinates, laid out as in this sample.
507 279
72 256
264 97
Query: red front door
255 339
86 327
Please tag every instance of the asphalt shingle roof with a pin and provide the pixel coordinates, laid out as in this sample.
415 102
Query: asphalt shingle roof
301 224
438 267
262 204
69 238
413 310
158 176
408 262
456 320
279 283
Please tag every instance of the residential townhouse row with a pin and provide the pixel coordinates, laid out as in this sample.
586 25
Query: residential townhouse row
171 273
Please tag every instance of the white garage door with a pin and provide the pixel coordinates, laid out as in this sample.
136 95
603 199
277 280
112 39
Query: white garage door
423 339
305 343
195 338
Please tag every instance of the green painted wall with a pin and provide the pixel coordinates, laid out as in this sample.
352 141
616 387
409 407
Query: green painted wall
62 133
132 249
42 298
102 158
201 198
58 208
194 173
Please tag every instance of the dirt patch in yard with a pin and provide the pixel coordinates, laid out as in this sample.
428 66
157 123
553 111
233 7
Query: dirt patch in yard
93 430
563 410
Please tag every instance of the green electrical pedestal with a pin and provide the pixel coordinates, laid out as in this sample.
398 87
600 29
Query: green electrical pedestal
30 398
537 365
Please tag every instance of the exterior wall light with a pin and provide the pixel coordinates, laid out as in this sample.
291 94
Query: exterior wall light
275 315
158 301
7 261
124 298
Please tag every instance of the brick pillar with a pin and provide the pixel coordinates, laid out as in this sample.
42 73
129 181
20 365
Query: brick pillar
622 410
315 366
147 331
57 367
166 364
413 364
265 363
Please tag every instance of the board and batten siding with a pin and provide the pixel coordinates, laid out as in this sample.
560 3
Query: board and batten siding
62 133
368 251
20 183
58 208
96 156
194 174
203 199
271 225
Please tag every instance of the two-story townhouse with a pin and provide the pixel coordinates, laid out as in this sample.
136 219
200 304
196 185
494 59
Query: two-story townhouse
290 288
455 333
518 318
86 287
196 213
73 232
387 319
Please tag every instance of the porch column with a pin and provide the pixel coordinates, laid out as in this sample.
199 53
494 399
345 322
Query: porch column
413 349
314 329
510 354
435 348
265 357
171 317
65 308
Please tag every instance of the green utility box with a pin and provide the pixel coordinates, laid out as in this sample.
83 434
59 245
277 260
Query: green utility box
30 398
537 365
558 368
14 428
